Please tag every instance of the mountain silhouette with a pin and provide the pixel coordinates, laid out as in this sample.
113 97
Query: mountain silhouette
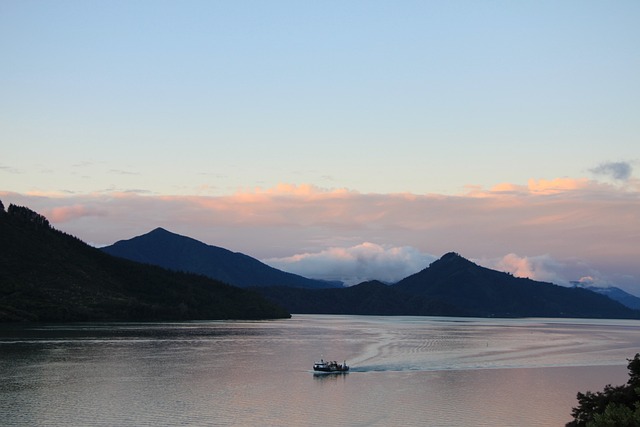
180 253
367 298
453 286
489 293
47 275
615 294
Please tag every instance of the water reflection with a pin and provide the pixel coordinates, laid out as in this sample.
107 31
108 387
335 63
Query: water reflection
404 371
329 376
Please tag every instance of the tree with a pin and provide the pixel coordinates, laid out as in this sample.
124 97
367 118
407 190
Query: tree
28 216
634 371
614 406
617 415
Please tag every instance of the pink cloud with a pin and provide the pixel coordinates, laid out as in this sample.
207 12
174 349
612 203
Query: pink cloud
562 219
557 185
506 187
543 267
540 187
68 213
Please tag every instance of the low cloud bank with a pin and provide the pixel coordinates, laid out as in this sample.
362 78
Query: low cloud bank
562 229
370 261
545 268
356 264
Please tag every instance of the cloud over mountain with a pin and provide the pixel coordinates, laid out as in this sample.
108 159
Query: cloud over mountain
591 222
546 268
355 264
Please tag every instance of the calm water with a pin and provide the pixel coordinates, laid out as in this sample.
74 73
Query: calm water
406 371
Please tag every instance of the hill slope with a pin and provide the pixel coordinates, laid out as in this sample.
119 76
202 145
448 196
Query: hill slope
616 294
453 286
47 275
488 293
180 253
368 298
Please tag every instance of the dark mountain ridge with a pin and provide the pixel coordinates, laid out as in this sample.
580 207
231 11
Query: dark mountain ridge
180 253
615 294
367 298
450 286
48 275
454 286
489 293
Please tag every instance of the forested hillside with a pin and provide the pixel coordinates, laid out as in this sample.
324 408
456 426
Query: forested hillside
47 275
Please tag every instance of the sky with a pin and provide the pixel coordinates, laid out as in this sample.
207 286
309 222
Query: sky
340 140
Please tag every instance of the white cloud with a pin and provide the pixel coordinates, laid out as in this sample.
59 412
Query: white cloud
355 264
586 280
546 268
542 268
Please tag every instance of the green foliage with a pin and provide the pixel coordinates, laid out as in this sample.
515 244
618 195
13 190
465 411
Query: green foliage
617 415
634 372
614 406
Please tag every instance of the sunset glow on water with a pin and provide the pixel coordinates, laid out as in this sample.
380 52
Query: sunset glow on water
404 371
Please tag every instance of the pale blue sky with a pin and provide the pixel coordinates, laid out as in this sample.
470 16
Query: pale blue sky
208 97
155 113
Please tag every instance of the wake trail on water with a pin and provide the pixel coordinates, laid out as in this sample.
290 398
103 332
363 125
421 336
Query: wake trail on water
444 349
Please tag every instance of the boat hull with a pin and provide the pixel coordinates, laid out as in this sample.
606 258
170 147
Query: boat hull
330 367
337 371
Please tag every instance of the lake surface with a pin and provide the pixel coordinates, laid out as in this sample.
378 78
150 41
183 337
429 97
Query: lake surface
420 371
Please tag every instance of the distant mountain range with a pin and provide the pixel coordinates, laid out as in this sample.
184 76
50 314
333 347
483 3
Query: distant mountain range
180 253
489 293
615 294
450 286
47 275
368 298
455 286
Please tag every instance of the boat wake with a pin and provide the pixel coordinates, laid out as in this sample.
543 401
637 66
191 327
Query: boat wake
387 368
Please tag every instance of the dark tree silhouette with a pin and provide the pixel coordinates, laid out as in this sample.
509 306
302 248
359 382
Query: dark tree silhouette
614 406
28 216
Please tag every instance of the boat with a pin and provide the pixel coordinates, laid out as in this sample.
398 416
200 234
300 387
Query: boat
333 366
